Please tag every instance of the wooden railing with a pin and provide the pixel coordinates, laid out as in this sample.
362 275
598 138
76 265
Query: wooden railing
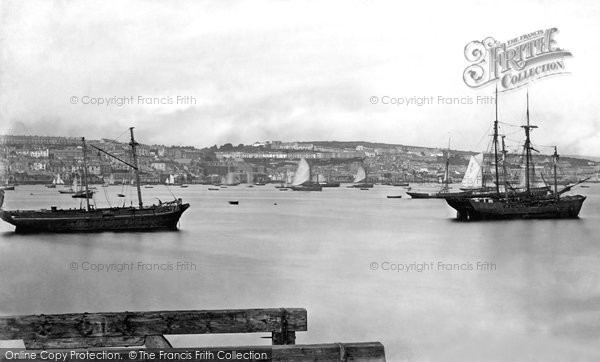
129 329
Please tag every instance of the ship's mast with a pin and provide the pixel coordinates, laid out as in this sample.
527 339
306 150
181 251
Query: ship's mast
133 145
85 175
447 165
527 146
504 173
496 144
555 180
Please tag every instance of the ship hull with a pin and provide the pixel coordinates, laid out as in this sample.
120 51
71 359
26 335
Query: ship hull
363 185
537 208
465 210
436 195
156 217
313 187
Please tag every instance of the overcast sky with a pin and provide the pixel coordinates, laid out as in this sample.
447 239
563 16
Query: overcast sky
287 70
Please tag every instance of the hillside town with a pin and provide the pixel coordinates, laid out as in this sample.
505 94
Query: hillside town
44 159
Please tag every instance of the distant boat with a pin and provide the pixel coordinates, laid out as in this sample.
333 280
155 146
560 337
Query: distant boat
71 189
231 179
170 180
394 196
82 194
183 186
56 181
148 186
360 179
302 178
444 192
234 202
213 189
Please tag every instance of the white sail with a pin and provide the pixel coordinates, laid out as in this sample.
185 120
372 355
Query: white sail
231 178
472 178
58 180
170 180
302 173
361 175
75 183
111 179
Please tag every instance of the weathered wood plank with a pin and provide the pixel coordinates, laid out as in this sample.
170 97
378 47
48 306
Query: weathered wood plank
74 343
157 342
88 325
364 352
334 352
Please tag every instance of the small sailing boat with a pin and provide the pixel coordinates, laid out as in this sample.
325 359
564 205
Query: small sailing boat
170 180
302 178
441 193
360 179
71 189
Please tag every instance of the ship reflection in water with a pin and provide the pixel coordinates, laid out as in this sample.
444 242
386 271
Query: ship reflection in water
325 251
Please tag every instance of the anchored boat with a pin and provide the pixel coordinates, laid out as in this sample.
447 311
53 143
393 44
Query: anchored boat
514 203
164 216
302 178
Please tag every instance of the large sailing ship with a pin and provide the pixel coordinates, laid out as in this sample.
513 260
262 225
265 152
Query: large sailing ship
164 216
519 203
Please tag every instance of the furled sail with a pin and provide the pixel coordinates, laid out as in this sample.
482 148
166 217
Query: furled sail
473 175
361 175
302 174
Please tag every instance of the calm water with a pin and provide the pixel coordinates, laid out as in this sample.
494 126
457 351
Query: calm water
316 250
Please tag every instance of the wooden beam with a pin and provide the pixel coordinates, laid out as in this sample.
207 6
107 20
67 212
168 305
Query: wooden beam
157 342
74 343
141 324
364 352
333 352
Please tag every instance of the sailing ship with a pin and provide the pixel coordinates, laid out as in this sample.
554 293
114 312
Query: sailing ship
163 216
56 181
302 178
71 189
232 178
442 192
170 180
520 204
360 179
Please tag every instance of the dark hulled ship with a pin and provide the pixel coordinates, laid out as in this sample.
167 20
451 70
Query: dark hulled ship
163 216
527 203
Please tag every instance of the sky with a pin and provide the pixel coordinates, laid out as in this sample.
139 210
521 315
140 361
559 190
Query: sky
288 70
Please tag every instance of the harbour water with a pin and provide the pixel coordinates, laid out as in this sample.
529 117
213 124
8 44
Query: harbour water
366 268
